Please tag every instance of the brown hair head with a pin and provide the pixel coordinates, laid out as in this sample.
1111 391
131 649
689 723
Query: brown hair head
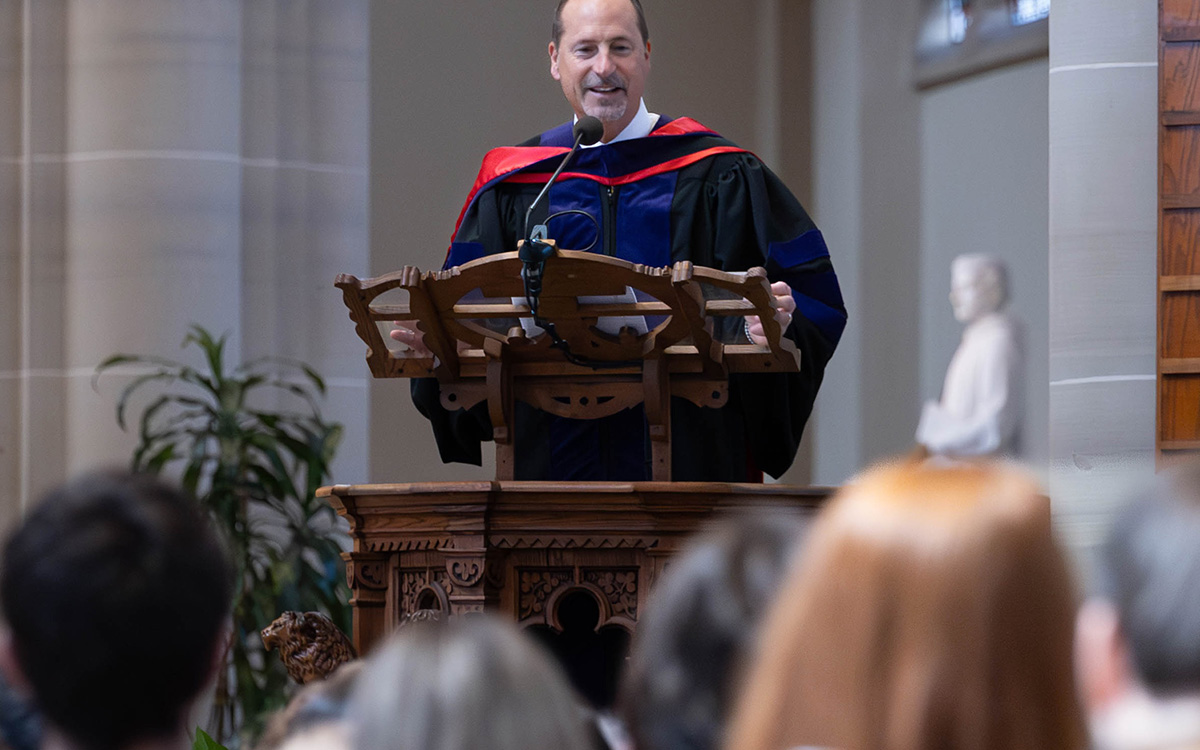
932 608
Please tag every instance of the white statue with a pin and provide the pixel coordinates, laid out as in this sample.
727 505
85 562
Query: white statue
980 410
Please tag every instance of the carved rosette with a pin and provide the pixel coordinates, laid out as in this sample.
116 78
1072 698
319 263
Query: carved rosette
536 586
620 587
465 572
366 574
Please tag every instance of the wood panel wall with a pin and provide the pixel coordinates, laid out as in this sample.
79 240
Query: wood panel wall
1178 416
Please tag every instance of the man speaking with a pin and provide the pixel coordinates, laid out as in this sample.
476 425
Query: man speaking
660 190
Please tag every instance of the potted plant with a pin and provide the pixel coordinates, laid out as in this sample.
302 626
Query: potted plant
255 469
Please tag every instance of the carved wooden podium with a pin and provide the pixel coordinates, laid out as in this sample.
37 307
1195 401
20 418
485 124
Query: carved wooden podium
635 335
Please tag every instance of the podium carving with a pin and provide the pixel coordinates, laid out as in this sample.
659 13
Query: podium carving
618 334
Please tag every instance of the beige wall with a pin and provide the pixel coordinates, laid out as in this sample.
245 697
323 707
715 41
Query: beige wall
899 180
443 92
985 189
904 180
867 173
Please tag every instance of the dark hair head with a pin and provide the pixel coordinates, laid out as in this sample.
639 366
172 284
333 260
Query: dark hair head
556 30
698 629
472 683
1150 570
115 589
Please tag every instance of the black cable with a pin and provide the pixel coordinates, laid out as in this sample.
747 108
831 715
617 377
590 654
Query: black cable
580 211
531 277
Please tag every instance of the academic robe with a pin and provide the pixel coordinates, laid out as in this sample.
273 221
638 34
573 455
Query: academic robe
681 193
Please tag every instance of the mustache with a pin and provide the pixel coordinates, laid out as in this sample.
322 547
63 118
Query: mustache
615 80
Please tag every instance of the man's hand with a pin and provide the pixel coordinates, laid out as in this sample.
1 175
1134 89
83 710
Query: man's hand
783 314
407 333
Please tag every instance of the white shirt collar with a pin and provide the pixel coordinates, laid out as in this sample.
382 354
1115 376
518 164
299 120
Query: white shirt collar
639 127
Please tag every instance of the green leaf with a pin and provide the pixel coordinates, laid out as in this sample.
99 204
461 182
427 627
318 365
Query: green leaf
136 385
123 359
116 359
213 349
203 741
156 462
318 381
196 461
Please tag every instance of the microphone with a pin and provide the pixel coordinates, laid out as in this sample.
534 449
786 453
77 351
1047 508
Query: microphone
588 130
536 251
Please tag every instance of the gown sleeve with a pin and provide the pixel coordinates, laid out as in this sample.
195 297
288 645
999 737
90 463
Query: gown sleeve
489 225
747 217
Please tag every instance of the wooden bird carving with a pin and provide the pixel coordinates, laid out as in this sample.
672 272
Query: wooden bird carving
310 645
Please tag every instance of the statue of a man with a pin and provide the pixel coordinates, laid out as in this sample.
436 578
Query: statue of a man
979 413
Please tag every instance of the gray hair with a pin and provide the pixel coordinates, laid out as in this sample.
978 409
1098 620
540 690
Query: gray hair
1150 570
474 683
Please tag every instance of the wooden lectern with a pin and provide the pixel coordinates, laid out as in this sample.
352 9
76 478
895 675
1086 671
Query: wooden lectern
635 335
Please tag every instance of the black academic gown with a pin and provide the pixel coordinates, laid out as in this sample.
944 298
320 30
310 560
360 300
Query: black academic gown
682 193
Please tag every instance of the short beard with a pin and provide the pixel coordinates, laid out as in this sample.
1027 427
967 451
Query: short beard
607 113
611 112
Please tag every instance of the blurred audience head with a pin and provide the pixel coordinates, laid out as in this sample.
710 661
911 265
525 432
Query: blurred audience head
316 718
116 593
473 683
1138 638
931 608
688 652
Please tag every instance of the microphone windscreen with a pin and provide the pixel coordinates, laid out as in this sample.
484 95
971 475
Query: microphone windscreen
589 130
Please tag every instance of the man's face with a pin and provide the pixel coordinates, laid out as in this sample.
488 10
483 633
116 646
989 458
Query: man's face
601 61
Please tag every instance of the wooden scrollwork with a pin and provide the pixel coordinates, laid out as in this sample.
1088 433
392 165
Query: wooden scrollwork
366 574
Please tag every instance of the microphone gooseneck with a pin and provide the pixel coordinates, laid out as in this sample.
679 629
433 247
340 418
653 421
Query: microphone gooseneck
588 131
536 251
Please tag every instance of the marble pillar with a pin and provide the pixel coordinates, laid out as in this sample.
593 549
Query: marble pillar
153 184
1103 189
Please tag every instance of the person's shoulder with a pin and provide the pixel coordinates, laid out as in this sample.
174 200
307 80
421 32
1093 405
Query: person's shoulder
559 136
721 156
703 136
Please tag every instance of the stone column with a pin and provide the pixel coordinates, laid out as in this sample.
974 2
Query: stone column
304 104
12 264
153 181
1103 188
32 219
